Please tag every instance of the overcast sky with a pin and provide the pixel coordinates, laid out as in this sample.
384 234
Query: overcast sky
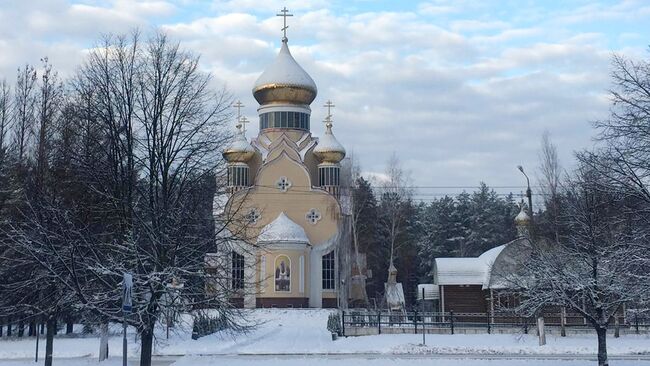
460 90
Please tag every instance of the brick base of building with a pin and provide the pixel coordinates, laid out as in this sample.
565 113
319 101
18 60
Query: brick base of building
330 303
282 302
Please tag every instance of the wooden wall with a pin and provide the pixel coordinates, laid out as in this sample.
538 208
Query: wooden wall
465 299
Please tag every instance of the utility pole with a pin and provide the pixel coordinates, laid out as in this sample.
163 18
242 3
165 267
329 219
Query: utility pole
127 286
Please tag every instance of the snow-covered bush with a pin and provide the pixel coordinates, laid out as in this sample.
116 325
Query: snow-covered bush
205 325
334 324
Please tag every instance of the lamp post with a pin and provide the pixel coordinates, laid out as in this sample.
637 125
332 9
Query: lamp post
529 194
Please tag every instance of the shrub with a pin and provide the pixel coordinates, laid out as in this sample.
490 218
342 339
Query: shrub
334 324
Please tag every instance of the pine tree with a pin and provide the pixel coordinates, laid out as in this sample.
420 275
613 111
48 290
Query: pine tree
365 204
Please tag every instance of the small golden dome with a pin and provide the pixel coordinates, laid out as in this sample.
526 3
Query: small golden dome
285 81
239 151
522 218
329 150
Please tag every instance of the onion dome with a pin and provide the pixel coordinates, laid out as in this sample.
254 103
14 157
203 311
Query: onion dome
285 81
522 218
239 150
329 150
284 230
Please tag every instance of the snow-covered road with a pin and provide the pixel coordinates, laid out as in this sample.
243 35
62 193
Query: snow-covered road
353 360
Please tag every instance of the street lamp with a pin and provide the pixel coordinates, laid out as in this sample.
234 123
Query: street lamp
529 193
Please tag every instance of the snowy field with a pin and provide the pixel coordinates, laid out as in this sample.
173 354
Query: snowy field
271 361
294 332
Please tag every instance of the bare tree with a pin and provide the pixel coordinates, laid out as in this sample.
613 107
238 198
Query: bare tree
36 294
49 105
150 129
395 200
625 136
599 265
5 117
24 106
358 204
5 128
550 175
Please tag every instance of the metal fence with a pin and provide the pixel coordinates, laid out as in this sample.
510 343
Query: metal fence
414 321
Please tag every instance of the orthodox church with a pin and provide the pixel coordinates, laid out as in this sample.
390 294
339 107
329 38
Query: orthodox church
285 183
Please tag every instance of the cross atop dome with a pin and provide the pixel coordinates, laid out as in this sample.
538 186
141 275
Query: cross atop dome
238 106
285 81
328 119
284 13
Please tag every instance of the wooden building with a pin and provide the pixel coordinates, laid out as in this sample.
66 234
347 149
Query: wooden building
471 284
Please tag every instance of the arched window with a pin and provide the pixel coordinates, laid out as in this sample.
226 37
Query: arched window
237 271
329 281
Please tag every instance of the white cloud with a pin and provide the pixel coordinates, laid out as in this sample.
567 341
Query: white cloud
461 101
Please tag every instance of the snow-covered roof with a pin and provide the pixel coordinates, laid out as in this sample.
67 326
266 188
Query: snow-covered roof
466 271
282 229
285 70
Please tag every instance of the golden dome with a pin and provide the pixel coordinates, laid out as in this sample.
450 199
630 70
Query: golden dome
285 82
239 151
522 218
329 150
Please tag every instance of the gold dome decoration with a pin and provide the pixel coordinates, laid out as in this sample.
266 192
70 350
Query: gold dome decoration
285 81
522 219
329 150
239 151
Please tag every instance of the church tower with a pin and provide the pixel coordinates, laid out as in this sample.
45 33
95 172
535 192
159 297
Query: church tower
286 183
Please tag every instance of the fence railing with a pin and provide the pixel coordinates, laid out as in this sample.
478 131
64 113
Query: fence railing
420 321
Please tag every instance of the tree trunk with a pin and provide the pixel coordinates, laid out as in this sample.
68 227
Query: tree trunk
49 339
103 341
602 346
146 348
69 326
21 328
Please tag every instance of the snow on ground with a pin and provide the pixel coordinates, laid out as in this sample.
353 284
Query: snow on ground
205 361
67 362
63 347
294 331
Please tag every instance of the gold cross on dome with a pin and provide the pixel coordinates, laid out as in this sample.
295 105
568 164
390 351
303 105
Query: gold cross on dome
284 14
239 106
243 121
329 105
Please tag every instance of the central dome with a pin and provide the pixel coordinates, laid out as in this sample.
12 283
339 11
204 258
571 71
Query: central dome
285 81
